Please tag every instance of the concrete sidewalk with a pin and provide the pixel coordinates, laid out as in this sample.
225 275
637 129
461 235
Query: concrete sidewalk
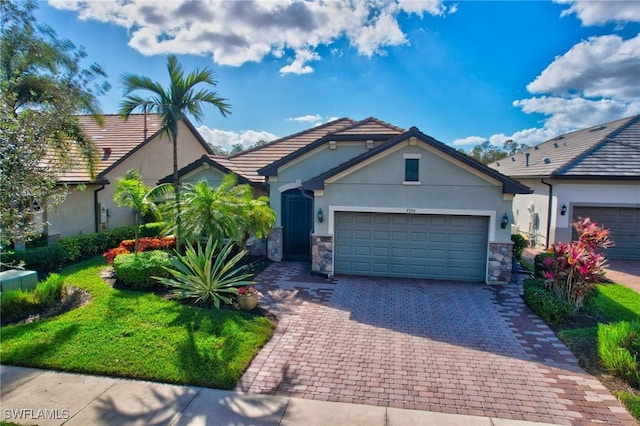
32 396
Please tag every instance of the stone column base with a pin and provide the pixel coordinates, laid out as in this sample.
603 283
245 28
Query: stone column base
322 254
500 263
274 244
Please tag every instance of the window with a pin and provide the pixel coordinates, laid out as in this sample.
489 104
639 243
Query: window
411 166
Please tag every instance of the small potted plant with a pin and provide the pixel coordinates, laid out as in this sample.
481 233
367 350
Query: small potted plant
247 298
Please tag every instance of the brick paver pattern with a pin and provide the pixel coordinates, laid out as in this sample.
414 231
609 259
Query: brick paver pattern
438 346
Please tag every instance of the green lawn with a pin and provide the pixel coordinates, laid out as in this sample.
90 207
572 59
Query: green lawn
138 335
616 303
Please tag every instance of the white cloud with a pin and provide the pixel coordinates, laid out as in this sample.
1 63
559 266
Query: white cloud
309 118
469 140
605 66
236 32
227 138
298 65
600 12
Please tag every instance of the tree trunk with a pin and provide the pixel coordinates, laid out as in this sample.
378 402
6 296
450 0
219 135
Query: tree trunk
176 191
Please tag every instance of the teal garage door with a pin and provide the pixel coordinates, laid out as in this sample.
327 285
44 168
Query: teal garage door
624 224
411 245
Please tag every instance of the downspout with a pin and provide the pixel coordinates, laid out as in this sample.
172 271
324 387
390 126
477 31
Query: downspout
313 206
549 211
96 207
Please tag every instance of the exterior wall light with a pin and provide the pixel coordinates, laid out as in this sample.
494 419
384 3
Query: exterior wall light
563 210
320 216
505 221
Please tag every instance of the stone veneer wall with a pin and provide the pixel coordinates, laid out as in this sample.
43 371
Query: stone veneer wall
500 263
322 254
274 244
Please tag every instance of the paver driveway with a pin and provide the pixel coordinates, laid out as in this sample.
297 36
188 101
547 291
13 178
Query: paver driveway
447 347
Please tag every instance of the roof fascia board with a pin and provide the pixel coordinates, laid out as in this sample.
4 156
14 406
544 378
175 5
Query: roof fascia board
509 185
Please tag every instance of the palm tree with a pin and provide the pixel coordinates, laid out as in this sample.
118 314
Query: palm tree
173 104
227 211
131 192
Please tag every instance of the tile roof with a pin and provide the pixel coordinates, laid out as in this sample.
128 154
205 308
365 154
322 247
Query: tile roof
247 163
370 125
114 140
605 151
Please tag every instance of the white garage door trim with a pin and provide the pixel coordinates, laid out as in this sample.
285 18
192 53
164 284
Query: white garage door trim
491 214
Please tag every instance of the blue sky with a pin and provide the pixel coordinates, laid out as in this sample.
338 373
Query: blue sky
462 71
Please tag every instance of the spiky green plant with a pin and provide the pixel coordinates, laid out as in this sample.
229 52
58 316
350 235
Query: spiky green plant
199 275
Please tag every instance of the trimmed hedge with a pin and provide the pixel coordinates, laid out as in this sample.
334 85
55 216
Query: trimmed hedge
73 249
519 243
136 271
550 307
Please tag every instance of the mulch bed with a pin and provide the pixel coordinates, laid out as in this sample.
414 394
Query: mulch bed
73 298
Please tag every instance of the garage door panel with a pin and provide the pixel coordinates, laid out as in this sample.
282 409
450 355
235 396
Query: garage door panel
362 234
624 224
403 245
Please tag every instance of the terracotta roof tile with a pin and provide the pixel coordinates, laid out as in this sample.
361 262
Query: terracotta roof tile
370 125
114 140
248 162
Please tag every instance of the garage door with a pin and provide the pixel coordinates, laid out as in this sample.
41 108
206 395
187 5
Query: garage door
406 245
624 224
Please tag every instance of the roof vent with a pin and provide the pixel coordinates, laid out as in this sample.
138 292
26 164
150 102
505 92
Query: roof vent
513 158
498 163
107 151
332 144
555 144
595 129
546 160
536 147
369 144
527 158
558 138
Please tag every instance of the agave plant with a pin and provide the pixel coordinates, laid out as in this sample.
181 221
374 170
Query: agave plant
199 275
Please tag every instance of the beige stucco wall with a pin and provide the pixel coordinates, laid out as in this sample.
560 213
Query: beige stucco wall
154 161
75 215
570 193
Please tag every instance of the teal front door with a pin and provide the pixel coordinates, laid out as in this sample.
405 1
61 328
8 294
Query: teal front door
296 225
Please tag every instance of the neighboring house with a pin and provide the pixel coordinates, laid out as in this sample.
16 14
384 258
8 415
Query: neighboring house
593 173
369 198
136 143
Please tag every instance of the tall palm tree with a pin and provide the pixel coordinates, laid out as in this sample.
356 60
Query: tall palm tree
173 104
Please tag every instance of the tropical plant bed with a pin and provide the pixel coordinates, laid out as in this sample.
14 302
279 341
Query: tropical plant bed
138 335
580 333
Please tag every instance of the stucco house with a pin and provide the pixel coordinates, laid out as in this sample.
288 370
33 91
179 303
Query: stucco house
369 198
593 172
136 143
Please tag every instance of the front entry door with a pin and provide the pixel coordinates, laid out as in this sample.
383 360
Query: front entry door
296 224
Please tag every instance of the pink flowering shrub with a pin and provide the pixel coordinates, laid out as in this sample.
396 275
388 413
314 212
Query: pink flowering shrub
574 268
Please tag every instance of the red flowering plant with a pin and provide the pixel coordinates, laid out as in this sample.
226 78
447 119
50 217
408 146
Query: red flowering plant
247 290
144 244
574 269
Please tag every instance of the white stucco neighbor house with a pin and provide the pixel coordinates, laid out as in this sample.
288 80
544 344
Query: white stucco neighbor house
592 172
369 198
136 143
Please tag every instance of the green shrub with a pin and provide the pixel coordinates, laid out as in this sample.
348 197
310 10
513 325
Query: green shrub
519 243
538 264
546 304
153 229
42 259
206 277
618 346
136 271
20 302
